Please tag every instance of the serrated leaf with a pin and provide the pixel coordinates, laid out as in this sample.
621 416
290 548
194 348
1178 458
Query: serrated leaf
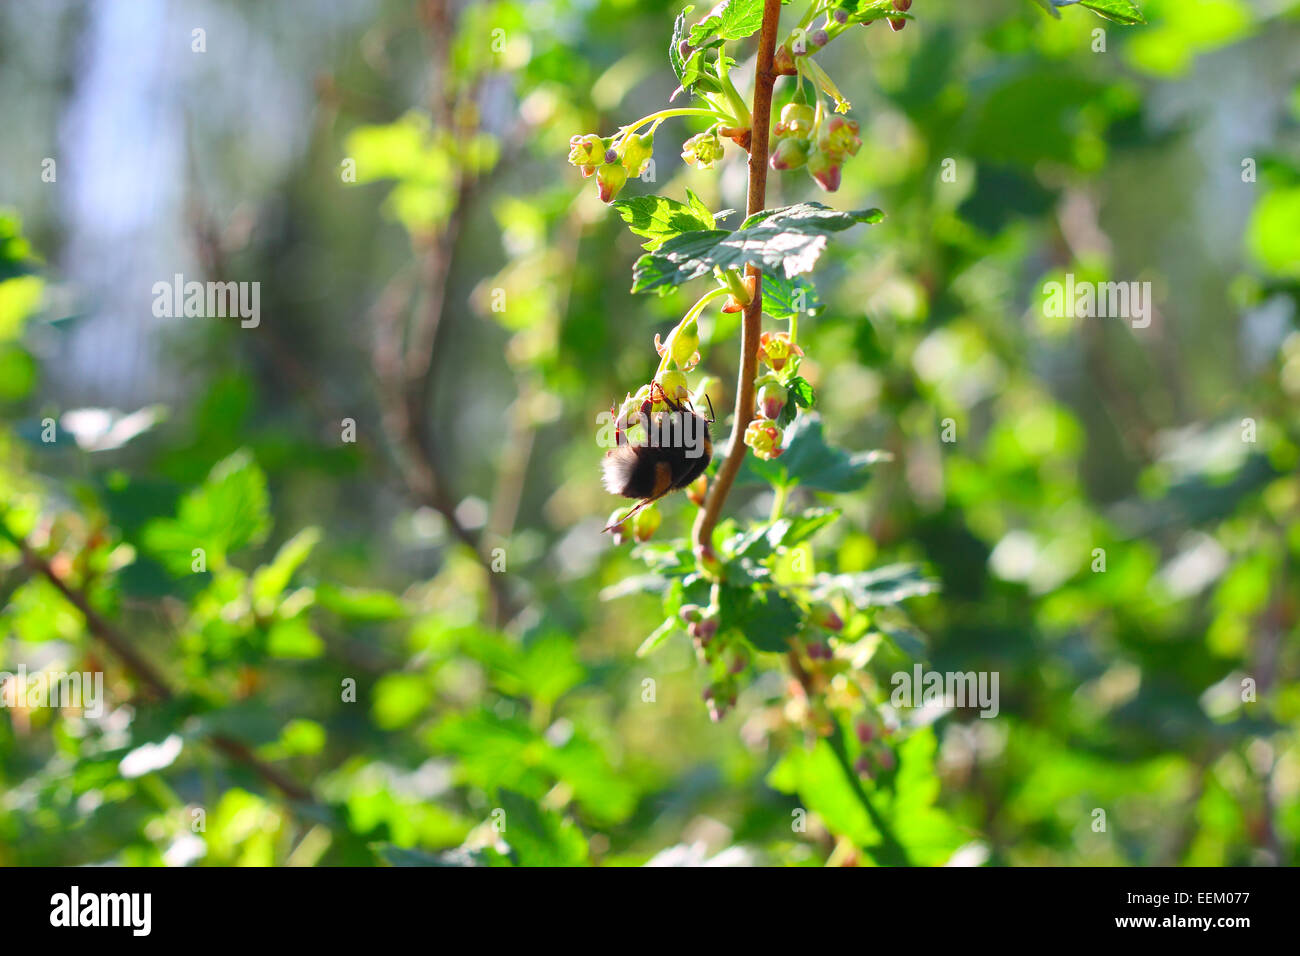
801 393
229 511
658 218
539 837
761 541
781 242
729 20
891 584
810 462
1120 11
763 616
784 297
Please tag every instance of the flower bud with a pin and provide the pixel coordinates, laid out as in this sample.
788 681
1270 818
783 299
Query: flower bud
865 731
697 489
609 180
783 61
706 559
840 15
739 661
840 138
771 399
902 6
764 437
690 613
820 38
824 616
586 150
673 384
790 153
797 117
684 49
646 523
702 150
825 169
637 152
774 349
863 766
897 23
886 758
685 345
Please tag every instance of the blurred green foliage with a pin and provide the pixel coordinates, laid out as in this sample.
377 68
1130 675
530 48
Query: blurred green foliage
1114 520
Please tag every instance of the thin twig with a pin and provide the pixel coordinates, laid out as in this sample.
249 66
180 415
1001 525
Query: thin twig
143 670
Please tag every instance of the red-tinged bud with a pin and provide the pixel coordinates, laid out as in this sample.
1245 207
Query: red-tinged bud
771 400
690 613
790 153
637 152
820 38
588 171
586 150
764 437
706 559
902 6
865 731
886 758
739 661
783 62
897 23
840 15
825 170
696 491
824 616
840 138
863 767
797 118
609 180
774 349
646 523
684 49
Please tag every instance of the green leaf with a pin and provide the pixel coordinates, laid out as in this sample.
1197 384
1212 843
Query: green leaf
784 297
540 837
1121 11
809 461
461 856
658 219
819 780
229 511
361 604
781 242
729 20
801 393
763 616
657 637
761 541
270 580
888 585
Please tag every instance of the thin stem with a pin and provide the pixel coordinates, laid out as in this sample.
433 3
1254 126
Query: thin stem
692 313
144 671
779 495
764 80
667 114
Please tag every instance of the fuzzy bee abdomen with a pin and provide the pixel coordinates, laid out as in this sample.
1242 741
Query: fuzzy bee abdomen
635 473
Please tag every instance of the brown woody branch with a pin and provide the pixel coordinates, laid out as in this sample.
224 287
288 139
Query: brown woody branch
764 80
144 671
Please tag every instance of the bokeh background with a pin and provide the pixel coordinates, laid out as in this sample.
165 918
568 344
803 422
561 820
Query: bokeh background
1172 157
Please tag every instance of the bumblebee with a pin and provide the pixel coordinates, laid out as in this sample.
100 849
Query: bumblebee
676 449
